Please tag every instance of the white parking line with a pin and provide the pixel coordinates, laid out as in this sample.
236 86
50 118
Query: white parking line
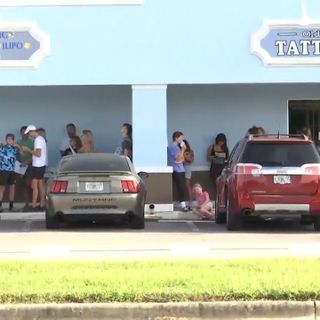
50 252
307 249
183 250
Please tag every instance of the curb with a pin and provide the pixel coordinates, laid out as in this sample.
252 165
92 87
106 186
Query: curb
177 216
40 216
34 216
163 311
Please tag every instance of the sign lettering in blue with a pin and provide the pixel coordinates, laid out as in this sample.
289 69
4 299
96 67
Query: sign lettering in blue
17 45
287 44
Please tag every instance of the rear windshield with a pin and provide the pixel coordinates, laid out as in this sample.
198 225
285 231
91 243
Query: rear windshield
77 164
271 155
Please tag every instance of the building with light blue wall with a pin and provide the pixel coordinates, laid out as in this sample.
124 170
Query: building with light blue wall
203 67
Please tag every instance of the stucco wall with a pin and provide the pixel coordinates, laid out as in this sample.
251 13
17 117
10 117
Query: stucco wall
101 109
202 112
159 42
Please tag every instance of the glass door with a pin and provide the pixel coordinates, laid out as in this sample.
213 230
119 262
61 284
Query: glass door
304 117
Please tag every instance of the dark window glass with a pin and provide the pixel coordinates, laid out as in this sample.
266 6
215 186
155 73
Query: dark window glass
234 154
272 155
76 164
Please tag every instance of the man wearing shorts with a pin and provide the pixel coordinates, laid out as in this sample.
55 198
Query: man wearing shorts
39 163
8 157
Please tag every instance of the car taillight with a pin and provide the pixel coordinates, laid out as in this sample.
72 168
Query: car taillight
130 186
58 186
311 169
248 168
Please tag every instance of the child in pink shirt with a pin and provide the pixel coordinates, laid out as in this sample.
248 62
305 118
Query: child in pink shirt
204 207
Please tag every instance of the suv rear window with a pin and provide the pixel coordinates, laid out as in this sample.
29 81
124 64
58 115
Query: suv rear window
284 154
75 164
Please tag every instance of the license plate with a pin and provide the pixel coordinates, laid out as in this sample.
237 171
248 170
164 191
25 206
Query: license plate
282 179
94 186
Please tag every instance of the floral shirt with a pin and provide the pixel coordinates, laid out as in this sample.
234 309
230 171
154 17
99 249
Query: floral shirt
8 156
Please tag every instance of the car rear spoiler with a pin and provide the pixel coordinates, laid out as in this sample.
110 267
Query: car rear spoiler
278 135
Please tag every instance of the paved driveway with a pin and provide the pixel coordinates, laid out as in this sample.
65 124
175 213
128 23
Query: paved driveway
27 238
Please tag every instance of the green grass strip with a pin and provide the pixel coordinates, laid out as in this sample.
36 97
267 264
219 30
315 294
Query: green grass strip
159 281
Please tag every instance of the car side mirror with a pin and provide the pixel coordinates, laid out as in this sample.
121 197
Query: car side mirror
143 175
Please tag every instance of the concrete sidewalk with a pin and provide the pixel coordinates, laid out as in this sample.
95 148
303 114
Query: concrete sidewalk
165 311
173 215
40 216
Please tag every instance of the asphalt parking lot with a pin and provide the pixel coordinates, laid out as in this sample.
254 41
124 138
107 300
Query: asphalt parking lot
28 239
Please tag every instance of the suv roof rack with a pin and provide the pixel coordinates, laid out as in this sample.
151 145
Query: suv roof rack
279 136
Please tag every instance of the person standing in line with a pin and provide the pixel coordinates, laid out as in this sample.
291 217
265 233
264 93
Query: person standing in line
75 146
71 132
126 143
307 132
261 131
25 167
218 154
254 130
87 142
176 151
8 156
43 133
188 160
39 163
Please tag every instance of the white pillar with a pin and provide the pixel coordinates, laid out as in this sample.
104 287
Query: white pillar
149 123
149 127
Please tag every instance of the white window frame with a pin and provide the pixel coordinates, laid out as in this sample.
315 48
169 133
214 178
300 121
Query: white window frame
14 3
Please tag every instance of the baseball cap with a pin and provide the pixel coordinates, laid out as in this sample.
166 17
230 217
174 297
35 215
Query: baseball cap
30 127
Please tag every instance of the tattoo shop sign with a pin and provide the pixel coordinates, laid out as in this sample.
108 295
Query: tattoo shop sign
22 45
287 44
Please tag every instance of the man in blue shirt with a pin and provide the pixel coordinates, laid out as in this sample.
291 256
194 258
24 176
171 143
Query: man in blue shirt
175 159
8 156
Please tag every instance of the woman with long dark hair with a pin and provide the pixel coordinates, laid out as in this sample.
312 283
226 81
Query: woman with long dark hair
218 154
126 143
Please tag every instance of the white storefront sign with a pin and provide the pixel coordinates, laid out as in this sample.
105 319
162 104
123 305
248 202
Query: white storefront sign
22 45
288 43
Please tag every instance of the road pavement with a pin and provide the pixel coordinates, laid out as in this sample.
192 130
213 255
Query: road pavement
27 238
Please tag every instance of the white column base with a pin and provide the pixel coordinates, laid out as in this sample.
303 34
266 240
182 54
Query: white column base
164 169
166 207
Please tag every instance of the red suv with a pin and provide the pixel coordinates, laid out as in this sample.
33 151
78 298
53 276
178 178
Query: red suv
270 176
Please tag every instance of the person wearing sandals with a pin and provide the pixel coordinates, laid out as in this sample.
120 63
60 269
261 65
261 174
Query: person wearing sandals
188 160
39 163
204 204
218 154
176 150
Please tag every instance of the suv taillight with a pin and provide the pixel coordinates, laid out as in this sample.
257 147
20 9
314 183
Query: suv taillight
312 169
58 186
130 186
248 168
